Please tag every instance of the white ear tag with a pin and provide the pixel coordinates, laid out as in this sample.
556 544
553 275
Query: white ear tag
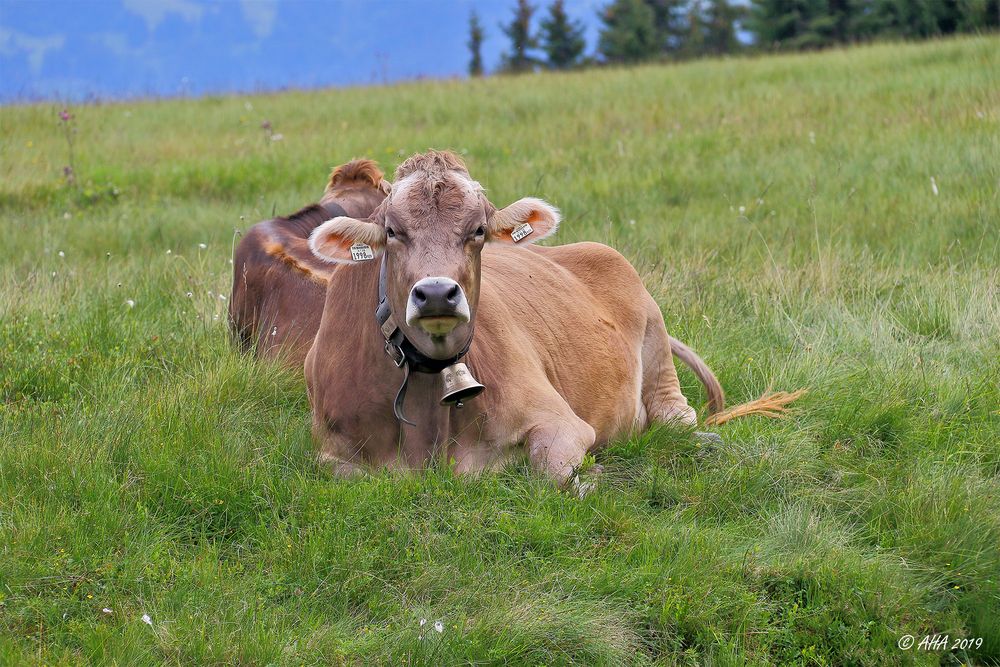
361 252
521 231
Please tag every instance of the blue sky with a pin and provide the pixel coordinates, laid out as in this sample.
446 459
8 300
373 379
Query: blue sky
66 50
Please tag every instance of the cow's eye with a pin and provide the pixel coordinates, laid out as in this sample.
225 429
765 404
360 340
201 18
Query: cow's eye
390 232
481 231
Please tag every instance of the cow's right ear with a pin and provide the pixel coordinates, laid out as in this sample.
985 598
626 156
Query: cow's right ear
343 240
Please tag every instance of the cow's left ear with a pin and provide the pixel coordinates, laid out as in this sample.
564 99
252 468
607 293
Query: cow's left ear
525 221
344 240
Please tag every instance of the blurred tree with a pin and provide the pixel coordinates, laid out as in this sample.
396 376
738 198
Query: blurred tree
475 44
720 19
629 33
669 21
518 59
694 43
979 15
803 24
562 38
927 18
794 24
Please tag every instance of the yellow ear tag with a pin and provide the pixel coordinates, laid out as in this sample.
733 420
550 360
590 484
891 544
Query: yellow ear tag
361 252
521 231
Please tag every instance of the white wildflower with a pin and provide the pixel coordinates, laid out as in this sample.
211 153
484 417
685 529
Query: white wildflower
169 251
934 188
222 297
274 331
62 254
277 136
202 246
66 215
439 626
189 295
743 209
130 303
423 622
106 611
631 222
147 620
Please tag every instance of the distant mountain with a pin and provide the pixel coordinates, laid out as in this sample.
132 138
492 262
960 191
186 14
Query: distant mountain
77 50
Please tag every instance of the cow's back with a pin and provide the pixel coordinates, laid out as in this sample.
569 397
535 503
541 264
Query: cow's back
278 290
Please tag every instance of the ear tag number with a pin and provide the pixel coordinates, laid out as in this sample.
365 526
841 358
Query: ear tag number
521 231
361 252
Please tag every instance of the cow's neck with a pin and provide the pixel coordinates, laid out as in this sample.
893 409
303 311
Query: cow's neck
353 295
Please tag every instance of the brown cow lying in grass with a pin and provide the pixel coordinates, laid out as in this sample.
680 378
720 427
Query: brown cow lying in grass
571 347
278 284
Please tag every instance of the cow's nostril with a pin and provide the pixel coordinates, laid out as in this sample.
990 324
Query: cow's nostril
419 296
452 294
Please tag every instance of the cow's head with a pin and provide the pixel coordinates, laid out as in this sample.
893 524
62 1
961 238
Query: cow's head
432 228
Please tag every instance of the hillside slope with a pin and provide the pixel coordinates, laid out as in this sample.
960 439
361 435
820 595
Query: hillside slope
827 221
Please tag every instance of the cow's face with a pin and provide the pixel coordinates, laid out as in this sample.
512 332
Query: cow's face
432 229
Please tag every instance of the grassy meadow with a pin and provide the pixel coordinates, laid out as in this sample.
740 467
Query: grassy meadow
828 221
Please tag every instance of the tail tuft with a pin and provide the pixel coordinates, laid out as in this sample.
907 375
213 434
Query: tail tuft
769 405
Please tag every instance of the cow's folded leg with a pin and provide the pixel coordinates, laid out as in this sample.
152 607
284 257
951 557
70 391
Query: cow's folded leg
335 452
557 444
339 466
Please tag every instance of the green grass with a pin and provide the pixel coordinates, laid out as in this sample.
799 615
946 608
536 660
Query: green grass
783 218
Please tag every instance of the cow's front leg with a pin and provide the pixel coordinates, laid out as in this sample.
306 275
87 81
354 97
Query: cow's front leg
557 443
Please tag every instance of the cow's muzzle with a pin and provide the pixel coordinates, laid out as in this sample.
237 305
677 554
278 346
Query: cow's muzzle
437 305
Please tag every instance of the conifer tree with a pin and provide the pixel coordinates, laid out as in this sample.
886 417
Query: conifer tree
562 38
629 33
522 41
720 19
475 44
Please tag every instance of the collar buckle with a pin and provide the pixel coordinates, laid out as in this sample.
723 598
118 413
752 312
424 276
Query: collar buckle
395 353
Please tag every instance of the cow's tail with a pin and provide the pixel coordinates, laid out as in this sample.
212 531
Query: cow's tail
716 397
771 404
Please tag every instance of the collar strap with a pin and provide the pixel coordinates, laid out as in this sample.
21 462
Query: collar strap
402 352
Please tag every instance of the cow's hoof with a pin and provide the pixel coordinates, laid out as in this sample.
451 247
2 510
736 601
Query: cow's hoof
584 487
680 414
